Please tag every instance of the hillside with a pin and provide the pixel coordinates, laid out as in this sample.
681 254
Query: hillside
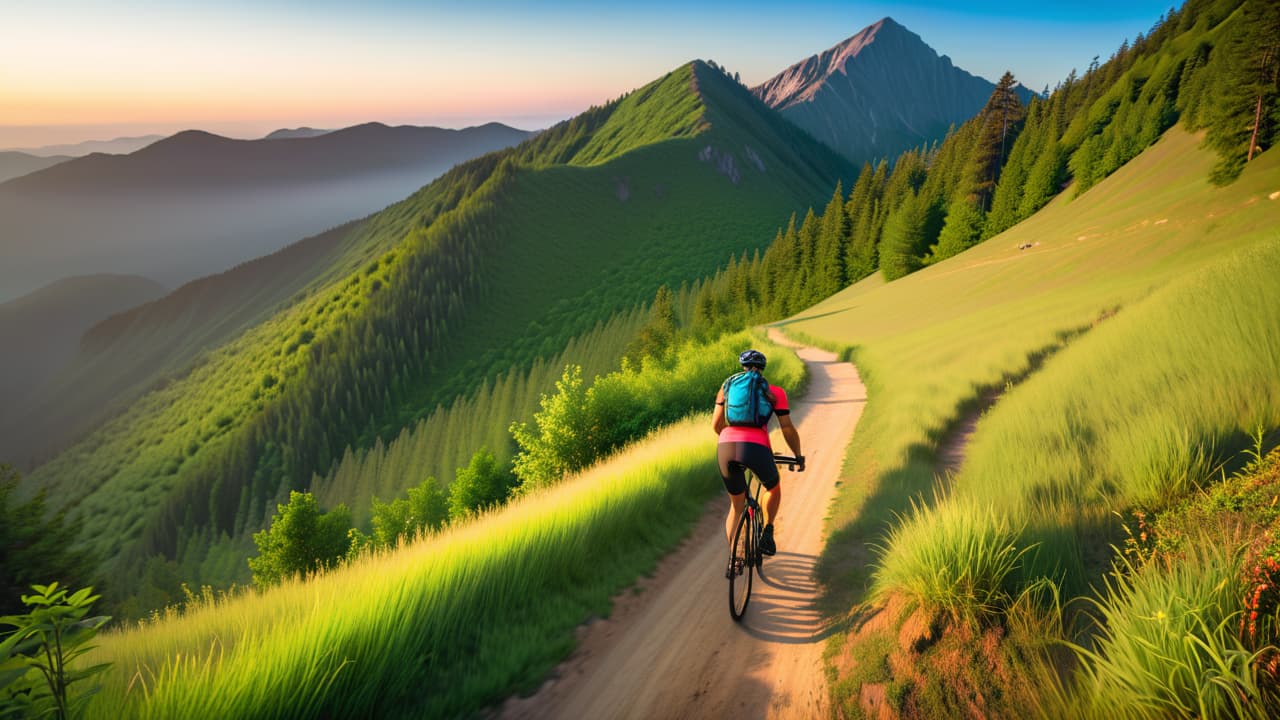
1045 299
124 349
196 203
877 94
41 331
500 262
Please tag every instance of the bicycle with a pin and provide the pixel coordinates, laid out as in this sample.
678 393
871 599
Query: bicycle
745 558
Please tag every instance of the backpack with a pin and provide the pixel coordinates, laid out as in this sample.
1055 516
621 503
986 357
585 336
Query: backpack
747 400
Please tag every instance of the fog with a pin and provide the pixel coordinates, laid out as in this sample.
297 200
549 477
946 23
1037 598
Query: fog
174 236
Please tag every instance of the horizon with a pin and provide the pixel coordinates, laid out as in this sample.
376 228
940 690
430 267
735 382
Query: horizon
243 71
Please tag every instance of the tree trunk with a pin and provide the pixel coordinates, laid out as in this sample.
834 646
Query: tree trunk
1257 120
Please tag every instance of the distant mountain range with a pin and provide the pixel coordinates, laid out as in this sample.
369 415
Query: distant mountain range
294 133
877 94
16 164
197 159
118 146
197 203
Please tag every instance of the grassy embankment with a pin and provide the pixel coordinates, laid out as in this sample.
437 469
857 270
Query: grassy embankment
1127 409
443 626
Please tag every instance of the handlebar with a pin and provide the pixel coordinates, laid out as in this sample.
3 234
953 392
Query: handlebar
790 462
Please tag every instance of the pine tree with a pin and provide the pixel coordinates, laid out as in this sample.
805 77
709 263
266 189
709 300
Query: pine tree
962 229
655 338
833 239
1246 117
1001 121
862 211
906 234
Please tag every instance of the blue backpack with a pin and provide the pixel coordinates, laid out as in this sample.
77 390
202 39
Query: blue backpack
748 402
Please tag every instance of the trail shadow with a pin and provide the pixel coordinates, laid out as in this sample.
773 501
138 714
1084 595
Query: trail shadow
783 605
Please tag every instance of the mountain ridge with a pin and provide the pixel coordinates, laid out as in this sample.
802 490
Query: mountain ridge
198 203
197 158
876 94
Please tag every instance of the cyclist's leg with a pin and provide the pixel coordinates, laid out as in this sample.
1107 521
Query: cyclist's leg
734 476
772 501
736 503
759 459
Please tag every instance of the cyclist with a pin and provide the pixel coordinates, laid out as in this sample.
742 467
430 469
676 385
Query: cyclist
743 448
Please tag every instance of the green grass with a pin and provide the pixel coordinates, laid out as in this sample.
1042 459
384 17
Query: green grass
441 627
958 559
1170 644
555 249
1130 366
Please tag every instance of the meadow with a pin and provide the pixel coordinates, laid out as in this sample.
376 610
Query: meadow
455 619
442 626
1127 369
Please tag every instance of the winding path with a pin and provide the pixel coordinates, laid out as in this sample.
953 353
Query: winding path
670 650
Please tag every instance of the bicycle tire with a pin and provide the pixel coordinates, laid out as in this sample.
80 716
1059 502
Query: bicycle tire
740 582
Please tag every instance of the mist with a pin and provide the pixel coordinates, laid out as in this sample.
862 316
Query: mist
174 236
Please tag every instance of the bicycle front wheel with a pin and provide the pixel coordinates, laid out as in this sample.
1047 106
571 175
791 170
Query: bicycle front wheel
741 564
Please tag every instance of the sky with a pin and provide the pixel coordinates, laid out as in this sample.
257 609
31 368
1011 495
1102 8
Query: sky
80 70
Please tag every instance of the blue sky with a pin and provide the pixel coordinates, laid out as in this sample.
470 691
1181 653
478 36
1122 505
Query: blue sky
78 70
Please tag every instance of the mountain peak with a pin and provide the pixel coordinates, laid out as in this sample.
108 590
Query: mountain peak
802 80
877 93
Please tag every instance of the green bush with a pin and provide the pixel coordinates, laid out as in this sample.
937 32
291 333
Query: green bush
481 484
301 540
402 519
577 426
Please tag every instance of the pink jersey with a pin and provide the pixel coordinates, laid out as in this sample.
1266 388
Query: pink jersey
759 436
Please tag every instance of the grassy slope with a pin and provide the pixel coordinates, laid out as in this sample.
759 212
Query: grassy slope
929 345
438 628
567 240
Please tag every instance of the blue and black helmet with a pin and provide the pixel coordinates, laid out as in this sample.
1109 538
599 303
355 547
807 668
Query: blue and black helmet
752 358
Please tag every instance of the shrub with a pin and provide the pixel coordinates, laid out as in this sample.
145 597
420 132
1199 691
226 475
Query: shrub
957 558
301 540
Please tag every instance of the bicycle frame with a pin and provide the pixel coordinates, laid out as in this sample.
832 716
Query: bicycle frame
752 559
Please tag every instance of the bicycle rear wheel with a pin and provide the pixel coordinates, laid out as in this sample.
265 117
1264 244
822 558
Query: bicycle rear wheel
741 564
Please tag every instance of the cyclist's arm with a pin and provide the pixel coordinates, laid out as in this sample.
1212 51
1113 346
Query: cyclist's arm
717 417
790 434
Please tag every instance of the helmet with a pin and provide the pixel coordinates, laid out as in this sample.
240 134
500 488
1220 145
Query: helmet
752 358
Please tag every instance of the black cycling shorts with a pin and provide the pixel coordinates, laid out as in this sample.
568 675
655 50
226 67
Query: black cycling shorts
735 457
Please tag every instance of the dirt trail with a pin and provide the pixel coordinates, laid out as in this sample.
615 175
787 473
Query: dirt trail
671 650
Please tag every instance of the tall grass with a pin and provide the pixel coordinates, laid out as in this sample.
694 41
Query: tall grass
1142 409
438 628
1134 345
959 560
1169 645
1188 371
